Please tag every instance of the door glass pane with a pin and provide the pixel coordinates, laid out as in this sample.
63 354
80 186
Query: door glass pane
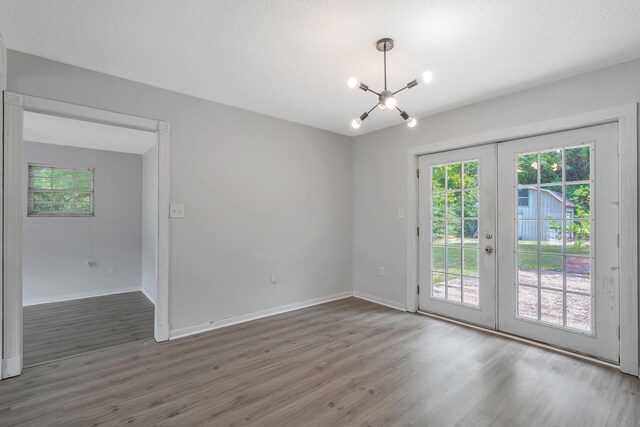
527 202
553 245
578 166
471 262
437 285
551 307
551 236
470 203
551 166
528 269
438 231
454 288
455 203
454 176
578 201
454 232
528 236
551 202
438 178
454 260
551 271
438 258
471 174
470 233
470 294
528 169
578 274
528 302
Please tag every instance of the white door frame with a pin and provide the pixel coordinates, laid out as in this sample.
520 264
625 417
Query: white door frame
627 118
3 86
14 106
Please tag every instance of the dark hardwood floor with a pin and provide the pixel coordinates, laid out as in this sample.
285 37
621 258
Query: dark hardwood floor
63 329
347 362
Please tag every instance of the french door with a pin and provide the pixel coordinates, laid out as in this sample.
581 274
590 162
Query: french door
548 225
457 205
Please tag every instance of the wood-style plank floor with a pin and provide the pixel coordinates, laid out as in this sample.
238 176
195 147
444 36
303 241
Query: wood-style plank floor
347 362
63 329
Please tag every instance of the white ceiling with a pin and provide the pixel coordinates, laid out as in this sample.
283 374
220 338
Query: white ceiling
77 133
291 58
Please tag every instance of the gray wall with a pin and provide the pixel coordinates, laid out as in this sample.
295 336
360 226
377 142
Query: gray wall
149 221
380 187
261 195
57 251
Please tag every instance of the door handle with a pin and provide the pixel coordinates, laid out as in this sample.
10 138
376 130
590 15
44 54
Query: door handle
488 249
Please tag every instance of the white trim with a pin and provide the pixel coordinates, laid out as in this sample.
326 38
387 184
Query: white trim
12 366
380 301
3 86
161 301
148 295
12 233
14 106
78 112
80 295
627 118
228 321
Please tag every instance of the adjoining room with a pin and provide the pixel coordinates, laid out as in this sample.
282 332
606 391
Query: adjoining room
89 236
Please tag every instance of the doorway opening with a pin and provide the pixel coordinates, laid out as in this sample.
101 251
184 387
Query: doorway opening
90 188
89 235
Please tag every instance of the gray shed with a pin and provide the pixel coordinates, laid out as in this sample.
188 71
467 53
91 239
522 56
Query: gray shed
550 208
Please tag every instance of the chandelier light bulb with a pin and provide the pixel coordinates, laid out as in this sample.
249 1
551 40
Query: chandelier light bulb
355 123
352 82
381 106
427 76
390 103
412 122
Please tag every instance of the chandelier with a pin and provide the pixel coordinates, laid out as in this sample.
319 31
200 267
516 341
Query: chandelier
386 98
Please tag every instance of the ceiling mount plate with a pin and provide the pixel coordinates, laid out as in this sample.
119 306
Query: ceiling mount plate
384 44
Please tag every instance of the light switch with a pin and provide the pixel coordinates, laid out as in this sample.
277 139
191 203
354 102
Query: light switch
400 213
176 211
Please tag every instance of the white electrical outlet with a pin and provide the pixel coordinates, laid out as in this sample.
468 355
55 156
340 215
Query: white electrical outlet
176 211
381 271
112 270
274 278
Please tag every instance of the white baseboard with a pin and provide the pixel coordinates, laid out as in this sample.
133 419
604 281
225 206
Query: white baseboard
11 367
192 330
79 295
381 301
148 295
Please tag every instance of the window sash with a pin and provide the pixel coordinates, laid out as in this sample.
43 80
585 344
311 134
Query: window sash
77 184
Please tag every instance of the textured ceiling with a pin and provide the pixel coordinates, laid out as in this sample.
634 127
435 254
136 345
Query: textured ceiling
77 133
291 58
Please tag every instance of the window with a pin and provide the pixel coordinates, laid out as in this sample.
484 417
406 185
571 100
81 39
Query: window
523 197
57 191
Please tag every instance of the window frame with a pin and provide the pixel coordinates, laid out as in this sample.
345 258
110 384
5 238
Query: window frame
59 214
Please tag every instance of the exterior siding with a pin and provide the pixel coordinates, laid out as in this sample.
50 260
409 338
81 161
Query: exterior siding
550 207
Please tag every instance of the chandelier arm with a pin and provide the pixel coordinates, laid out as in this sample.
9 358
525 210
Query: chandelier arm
374 107
400 90
373 91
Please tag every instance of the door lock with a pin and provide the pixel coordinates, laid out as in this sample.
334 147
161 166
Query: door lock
489 236
489 249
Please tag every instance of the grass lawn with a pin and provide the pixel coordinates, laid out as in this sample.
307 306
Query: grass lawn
551 252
